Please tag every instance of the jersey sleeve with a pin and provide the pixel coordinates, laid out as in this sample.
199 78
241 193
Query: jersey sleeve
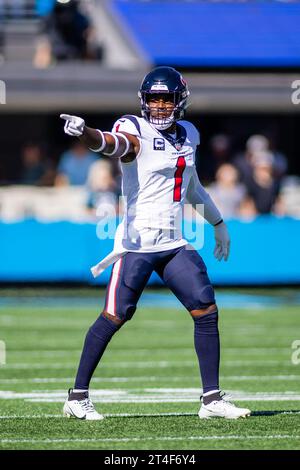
129 124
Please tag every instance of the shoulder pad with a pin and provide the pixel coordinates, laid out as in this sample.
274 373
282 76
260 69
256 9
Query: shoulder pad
127 123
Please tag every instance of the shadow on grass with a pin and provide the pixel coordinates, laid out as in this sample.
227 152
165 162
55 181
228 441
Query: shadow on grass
180 415
274 412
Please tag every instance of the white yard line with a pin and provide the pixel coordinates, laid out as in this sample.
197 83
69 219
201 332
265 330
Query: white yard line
149 378
140 364
66 352
107 415
139 399
259 377
147 395
257 363
139 439
120 415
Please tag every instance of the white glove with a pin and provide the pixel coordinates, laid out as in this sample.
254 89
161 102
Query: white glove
74 125
222 242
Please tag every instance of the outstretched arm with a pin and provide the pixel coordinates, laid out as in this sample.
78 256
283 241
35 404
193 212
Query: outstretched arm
113 144
196 194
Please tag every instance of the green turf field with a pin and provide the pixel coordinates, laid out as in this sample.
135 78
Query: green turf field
148 383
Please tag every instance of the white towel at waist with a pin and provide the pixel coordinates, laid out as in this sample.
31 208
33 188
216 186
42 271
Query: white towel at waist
111 258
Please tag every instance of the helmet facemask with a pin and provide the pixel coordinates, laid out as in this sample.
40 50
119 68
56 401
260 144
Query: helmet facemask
152 115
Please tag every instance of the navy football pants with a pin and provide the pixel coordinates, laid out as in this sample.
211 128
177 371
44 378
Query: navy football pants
184 272
181 269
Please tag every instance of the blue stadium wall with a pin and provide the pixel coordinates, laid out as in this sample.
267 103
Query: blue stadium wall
264 251
213 34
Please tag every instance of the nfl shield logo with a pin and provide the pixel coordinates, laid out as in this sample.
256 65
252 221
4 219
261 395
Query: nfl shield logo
178 146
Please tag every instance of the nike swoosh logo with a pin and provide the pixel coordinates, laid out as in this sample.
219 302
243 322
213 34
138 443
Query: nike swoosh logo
73 414
122 120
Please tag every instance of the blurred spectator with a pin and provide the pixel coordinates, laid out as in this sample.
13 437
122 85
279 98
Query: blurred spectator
74 165
259 143
102 187
255 143
70 35
220 152
262 187
280 161
290 196
36 169
227 192
43 53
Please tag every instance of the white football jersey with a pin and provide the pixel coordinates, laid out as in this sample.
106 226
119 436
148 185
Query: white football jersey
154 186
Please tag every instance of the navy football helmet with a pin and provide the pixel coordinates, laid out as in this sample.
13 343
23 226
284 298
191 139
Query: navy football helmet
164 80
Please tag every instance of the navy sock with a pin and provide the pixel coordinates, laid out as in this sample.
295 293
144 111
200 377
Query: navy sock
96 340
207 345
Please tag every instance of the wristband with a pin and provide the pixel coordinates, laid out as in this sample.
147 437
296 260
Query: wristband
115 147
103 142
127 143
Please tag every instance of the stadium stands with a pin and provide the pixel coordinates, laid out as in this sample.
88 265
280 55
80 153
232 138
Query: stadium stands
20 26
18 202
48 204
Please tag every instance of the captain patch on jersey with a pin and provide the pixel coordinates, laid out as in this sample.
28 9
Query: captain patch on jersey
158 144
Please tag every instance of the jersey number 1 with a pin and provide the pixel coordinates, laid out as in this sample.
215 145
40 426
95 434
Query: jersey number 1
180 166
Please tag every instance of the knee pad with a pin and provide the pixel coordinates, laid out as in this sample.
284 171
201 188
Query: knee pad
126 311
203 294
124 314
207 295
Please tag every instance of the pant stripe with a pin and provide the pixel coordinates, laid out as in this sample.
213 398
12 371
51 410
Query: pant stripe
111 302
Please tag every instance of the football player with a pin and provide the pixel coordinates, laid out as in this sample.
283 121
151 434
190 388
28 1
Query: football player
157 156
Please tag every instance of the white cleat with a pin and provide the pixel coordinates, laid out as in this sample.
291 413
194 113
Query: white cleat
81 409
222 409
